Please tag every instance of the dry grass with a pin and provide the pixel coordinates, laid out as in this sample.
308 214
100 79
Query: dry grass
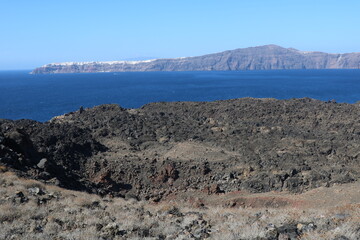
77 215
3 168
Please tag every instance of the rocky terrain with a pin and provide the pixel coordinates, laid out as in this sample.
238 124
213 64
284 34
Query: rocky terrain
228 155
258 145
266 57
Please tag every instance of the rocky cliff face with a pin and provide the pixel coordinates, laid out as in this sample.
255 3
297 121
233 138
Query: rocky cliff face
267 57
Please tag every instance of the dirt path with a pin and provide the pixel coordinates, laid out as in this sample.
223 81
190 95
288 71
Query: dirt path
319 198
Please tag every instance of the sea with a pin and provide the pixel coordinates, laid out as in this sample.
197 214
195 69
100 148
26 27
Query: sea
41 97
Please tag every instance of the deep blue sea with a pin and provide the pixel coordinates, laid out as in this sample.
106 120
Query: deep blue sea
41 97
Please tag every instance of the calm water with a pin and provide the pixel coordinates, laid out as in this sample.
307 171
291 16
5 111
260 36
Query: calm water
41 97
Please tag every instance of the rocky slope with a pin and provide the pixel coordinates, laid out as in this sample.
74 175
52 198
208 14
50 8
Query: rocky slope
161 149
254 58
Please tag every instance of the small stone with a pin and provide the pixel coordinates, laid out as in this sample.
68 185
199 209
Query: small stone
307 227
45 175
35 191
232 203
42 164
111 226
271 232
300 226
20 198
19 194
36 229
99 226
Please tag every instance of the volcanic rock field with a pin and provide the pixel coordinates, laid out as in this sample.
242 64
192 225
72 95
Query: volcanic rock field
236 169
257 145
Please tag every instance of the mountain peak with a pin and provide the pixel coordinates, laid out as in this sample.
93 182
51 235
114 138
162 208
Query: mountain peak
270 46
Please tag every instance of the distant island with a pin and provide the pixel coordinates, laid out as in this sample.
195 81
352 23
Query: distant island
268 57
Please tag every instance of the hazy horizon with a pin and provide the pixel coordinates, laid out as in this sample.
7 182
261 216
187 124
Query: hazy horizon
37 32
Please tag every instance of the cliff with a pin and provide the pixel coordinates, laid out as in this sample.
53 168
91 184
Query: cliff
267 57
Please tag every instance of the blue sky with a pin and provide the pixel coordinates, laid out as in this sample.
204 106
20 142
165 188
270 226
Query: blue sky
37 32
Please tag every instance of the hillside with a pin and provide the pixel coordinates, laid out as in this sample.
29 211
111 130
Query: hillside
257 145
268 57
235 169
32 210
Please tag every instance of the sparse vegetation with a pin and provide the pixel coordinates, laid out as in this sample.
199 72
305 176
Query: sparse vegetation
32 210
